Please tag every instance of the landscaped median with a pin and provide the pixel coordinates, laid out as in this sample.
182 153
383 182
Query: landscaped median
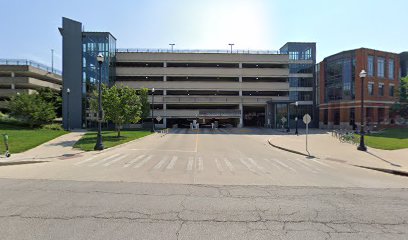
22 138
109 138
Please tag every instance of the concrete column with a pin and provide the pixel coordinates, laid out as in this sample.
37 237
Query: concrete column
13 86
165 64
241 119
165 79
240 65
13 74
165 114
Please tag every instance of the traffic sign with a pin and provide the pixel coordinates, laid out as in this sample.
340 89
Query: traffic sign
307 119
158 118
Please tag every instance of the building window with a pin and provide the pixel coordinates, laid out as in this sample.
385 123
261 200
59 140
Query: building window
391 91
380 67
391 68
370 66
371 89
381 90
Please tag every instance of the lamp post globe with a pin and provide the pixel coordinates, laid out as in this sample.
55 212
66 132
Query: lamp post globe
362 147
296 118
99 145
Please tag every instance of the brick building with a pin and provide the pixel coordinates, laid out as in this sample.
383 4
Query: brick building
340 87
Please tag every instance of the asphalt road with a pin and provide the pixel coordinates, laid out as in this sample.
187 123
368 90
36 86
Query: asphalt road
221 184
220 157
45 209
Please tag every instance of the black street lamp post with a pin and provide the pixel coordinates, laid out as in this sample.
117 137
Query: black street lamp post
296 131
68 120
362 146
153 110
99 145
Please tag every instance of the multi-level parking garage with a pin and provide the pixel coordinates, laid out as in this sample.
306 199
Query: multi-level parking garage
234 88
230 88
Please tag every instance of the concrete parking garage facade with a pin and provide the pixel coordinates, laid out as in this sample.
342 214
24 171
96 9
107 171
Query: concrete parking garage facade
232 88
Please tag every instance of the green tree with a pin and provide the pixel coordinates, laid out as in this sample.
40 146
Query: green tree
53 97
120 105
144 100
31 109
401 107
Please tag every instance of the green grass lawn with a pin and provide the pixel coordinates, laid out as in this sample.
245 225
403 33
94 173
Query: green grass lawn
389 139
109 139
24 138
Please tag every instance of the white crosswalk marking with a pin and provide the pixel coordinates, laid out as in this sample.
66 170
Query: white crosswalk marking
200 164
323 164
133 161
103 160
172 163
219 167
275 165
284 165
247 165
141 163
229 164
190 164
304 165
115 160
161 163
257 165
86 160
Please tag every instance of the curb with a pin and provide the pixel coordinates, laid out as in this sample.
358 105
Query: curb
289 150
385 170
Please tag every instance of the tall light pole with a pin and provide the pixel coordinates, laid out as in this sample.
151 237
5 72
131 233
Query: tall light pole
99 145
52 60
172 46
152 109
68 120
296 118
362 146
231 44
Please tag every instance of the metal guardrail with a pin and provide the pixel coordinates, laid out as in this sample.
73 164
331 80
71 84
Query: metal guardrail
161 50
26 62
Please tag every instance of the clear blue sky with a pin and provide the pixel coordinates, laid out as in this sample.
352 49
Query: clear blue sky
29 28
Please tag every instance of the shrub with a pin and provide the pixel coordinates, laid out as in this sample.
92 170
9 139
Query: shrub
53 126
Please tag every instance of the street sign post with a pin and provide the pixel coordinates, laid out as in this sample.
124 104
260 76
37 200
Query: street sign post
307 119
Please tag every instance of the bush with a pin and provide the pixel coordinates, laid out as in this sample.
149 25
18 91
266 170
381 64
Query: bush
6 119
32 109
53 126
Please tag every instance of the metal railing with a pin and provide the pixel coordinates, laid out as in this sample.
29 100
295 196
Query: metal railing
26 62
163 50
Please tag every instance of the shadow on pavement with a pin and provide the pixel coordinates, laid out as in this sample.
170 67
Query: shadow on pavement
382 159
243 131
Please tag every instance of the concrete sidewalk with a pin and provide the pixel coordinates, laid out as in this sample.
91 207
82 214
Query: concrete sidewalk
322 145
58 148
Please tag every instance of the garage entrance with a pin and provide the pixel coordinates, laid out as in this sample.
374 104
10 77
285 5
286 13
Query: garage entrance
254 116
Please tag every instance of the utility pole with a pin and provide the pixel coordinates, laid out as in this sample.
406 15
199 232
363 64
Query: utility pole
52 60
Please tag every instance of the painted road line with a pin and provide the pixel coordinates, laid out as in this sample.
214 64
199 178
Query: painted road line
103 160
172 163
141 163
190 164
262 169
284 165
86 160
305 166
275 165
115 160
229 164
133 161
219 167
323 164
200 164
161 163
247 165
